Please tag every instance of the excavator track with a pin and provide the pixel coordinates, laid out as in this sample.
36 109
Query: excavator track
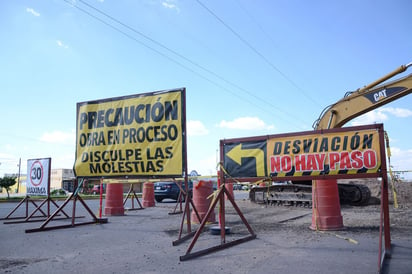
286 195
300 195
353 194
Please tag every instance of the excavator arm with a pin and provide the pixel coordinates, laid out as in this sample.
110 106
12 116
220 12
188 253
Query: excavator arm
365 99
336 115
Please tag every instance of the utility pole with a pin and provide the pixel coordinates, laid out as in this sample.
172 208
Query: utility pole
18 178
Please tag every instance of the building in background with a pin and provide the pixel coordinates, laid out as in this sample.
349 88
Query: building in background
62 178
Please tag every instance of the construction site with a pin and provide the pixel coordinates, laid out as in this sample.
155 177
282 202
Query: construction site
140 241
304 164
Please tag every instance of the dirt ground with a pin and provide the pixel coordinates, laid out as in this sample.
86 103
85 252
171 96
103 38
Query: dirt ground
400 216
403 190
361 218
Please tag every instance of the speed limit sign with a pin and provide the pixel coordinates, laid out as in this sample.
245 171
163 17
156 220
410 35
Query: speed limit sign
38 176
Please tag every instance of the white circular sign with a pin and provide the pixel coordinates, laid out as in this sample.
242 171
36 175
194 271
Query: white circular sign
38 177
36 173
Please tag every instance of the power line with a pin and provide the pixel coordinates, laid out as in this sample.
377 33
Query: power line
251 47
253 19
173 52
151 48
186 59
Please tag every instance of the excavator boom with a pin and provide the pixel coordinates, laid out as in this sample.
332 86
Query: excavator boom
365 99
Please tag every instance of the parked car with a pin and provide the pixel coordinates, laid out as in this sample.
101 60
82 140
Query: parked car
237 187
96 189
245 187
169 190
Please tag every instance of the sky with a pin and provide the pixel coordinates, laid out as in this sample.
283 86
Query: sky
250 68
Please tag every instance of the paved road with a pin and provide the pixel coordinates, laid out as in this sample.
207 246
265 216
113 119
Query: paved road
141 242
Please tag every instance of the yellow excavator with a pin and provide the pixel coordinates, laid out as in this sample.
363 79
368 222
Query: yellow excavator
352 105
365 99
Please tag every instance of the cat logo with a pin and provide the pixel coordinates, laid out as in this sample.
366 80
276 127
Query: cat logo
380 95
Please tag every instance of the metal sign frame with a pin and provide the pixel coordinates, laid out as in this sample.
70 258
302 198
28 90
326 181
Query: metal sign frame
378 171
40 169
96 124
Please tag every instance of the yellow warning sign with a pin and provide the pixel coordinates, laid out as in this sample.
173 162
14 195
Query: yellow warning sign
347 152
338 152
139 135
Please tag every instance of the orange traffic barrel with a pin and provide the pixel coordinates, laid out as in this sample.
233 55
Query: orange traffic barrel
114 200
326 213
229 188
148 195
201 191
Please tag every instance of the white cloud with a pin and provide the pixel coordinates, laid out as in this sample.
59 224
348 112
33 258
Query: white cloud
61 44
33 12
59 137
196 128
8 147
398 112
375 116
380 115
63 161
169 4
401 160
5 157
246 123
205 165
